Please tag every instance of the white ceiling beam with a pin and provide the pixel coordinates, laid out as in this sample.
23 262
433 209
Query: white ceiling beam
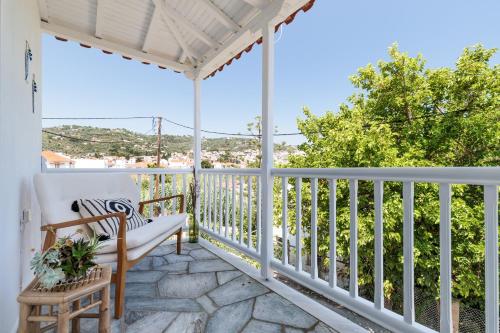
184 23
153 25
99 19
260 4
220 15
274 13
175 32
43 10
68 33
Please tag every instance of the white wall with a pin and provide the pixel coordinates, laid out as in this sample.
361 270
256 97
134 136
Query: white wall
20 147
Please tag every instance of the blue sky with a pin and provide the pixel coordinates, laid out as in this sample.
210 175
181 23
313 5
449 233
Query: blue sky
314 57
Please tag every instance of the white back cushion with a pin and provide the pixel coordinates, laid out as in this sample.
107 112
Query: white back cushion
56 193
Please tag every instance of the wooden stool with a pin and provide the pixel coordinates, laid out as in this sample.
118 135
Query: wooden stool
69 299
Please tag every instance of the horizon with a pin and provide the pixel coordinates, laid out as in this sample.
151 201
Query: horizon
70 88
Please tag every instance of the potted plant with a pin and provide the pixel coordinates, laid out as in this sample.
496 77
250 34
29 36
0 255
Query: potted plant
68 260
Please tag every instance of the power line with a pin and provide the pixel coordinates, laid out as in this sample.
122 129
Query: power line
236 134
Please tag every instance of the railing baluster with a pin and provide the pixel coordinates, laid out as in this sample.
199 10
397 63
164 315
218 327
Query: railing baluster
227 207
214 225
162 193
139 186
446 320
209 180
249 211
184 188
174 192
353 258
205 200
241 210
284 218
332 277
233 207
298 224
379 245
221 201
151 194
258 214
491 260
408 276
314 228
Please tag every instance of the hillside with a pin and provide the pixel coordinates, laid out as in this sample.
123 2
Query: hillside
86 141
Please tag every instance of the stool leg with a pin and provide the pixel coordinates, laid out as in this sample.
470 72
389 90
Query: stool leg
23 318
75 323
104 311
63 318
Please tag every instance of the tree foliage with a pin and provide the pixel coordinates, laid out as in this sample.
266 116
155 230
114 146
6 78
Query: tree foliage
404 114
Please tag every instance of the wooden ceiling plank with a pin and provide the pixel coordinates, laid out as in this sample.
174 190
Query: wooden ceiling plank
99 19
220 15
43 10
87 39
260 4
186 24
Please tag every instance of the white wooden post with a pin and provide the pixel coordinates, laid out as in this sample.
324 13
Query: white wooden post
197 143
267 148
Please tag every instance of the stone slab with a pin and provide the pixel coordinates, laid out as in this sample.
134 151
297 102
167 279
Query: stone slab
152 323
226 276
214 265
175 258
239 289
186 285
188 322
257 326
231 318
207 304
200 254
178 267
276 309
162 304
144 276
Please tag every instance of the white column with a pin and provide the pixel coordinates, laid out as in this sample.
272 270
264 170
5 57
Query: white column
197 142
267 148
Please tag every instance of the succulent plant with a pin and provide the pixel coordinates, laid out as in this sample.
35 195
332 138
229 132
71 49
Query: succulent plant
68 259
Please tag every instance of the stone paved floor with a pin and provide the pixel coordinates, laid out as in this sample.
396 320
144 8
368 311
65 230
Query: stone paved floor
198 292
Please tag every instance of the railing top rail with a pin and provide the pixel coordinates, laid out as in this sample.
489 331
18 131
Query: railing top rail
234 171
136 171
452 175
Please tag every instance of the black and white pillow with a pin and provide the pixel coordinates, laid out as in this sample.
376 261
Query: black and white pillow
109 226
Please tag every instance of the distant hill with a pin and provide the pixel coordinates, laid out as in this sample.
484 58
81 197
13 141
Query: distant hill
87 141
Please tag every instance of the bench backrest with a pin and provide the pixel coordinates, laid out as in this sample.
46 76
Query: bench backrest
57 191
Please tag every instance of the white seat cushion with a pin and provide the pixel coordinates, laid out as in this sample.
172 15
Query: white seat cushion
132 254
143 235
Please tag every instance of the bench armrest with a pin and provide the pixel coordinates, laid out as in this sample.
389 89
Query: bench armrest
180 196
51 229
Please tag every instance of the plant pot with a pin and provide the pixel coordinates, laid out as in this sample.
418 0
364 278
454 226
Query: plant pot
194 230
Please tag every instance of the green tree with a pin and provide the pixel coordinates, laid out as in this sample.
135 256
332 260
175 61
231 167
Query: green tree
404 114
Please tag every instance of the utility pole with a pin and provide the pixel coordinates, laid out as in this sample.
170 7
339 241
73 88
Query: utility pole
158 158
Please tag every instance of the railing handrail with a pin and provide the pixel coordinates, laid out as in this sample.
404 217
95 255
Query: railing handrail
233 171
142 171
453 175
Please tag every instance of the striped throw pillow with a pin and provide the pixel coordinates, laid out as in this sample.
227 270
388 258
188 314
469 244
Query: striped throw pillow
109 226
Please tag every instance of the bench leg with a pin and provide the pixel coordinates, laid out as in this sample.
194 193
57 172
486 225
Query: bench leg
121 275
179 240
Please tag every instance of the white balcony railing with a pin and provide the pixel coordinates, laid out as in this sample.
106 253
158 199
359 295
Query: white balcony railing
230 212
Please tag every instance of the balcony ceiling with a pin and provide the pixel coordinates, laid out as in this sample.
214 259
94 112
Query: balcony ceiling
197 37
